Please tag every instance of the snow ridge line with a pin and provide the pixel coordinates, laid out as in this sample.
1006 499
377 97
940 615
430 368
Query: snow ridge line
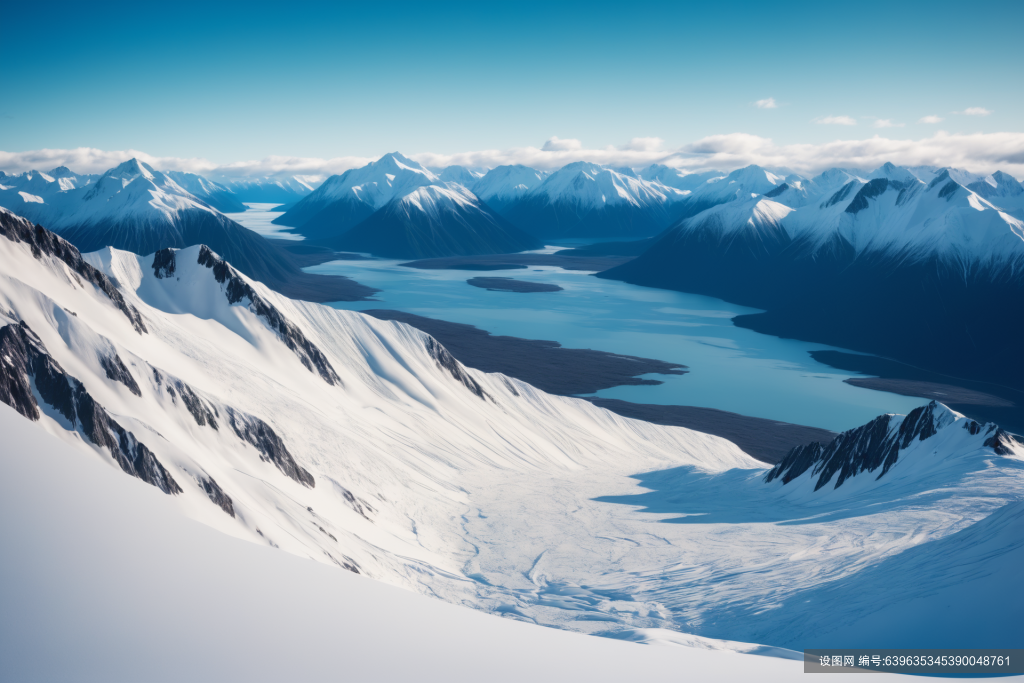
42 241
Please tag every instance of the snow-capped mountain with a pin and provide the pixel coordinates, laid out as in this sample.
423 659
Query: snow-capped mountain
112 199
34 187
343 201
396 207
214 194
891 171
274 189
586 200
927 174
850 266
745 228
866 455
907 216
504 185
365 446
459 174
739 184
1001 190
679 179
434 221
137 208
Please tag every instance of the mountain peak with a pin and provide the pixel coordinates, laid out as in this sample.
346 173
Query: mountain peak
883 442
62 172
131 169
891 171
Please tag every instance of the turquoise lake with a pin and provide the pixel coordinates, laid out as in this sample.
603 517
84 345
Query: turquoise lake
730 368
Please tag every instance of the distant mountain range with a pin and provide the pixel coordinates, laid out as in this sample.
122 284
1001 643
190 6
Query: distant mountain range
275 189
136 208
930 273
919 264
395 207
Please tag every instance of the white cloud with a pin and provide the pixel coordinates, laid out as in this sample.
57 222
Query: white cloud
91 160
644 144
930 119
837 120
887 123
974 111
980 153
766 104
557 144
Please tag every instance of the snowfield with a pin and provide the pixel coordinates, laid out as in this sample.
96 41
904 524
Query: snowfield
187 603
363 445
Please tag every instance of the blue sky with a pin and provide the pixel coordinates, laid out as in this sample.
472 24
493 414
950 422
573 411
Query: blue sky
246 81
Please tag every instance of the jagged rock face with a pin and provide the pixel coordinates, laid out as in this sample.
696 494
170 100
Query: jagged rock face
246 427
202 412
237 289
42 241
24 358
116 370
447 361
271 448
163 263
217 495
877 445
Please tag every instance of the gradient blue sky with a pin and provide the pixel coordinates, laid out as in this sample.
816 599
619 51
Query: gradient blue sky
244 81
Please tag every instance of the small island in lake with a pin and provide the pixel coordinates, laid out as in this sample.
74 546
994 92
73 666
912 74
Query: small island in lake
507 284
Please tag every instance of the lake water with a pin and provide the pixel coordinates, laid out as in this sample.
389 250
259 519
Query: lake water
258 219
730 368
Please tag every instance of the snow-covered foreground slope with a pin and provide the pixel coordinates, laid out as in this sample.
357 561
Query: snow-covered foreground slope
363 444
150 595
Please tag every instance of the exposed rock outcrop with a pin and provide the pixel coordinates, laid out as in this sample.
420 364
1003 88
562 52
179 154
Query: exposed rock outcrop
23 359
877 445
271 448
42 241
447 361
116 370
236 289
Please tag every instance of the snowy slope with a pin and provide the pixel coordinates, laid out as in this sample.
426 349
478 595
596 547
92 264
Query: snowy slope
754 224
364 445
181 596
586 200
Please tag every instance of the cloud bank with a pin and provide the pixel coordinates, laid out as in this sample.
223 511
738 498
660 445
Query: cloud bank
979 152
